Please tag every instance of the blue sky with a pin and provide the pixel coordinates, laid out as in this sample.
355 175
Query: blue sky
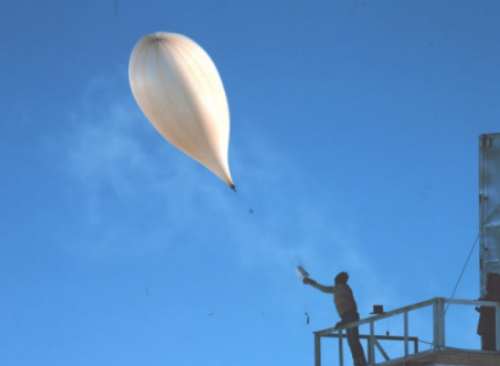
354 140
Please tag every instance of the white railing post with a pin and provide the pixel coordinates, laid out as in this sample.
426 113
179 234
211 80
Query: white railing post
317 349
405 317
341 348
438 319
371 345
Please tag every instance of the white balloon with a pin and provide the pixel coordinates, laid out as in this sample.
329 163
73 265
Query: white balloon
177 86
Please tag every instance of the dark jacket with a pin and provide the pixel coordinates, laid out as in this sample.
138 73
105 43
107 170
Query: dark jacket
342 297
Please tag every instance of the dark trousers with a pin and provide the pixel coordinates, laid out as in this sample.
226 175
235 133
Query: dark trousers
488 342
486 328
358 355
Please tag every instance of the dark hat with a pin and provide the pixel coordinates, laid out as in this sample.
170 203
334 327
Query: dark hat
378 309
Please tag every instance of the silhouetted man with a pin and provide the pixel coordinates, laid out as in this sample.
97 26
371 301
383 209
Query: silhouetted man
487 319
347 309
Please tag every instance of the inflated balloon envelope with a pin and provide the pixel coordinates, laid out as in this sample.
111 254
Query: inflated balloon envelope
178 88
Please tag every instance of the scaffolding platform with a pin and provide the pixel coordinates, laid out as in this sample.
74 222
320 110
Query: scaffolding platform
440 353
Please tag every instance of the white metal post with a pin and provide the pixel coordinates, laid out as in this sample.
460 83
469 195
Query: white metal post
438 319
341 348
317 349
405 317
371 344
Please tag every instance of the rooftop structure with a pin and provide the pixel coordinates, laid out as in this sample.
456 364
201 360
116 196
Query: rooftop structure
489 206
439 353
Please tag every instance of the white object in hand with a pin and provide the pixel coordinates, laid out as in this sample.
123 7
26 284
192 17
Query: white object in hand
302 272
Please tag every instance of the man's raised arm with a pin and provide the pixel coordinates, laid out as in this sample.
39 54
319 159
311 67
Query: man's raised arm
319 286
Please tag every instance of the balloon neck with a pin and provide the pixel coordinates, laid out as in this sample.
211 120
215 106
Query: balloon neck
232 186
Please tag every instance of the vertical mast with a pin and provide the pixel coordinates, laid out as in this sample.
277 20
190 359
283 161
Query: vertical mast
489 206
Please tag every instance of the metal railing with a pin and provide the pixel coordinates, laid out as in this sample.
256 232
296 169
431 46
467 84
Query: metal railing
438 320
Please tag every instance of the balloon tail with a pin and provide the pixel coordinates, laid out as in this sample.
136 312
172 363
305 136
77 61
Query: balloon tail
233 187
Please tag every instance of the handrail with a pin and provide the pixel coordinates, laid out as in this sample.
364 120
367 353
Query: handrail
377 317
472 302
403 310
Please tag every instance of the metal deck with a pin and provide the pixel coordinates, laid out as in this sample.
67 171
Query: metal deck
448 357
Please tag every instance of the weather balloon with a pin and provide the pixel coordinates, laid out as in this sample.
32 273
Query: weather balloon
178 88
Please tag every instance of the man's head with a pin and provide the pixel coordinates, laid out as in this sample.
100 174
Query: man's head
341 278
